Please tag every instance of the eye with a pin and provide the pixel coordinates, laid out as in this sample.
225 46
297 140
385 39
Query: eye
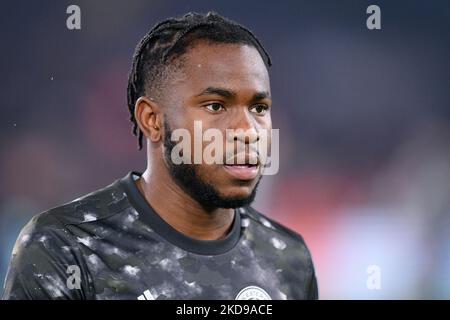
215 107
259 109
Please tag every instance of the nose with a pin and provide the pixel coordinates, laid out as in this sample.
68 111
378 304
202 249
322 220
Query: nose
245 128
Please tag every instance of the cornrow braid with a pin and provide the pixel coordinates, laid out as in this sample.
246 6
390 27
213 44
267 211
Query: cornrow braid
171 38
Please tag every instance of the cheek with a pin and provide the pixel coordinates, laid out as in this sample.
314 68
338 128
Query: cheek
216 176
212 174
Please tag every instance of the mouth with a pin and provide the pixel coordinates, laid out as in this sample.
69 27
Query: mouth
243 166
242 171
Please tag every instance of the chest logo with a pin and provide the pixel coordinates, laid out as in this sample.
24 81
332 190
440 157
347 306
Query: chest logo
253 293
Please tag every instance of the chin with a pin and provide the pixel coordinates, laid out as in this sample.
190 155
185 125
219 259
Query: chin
238 192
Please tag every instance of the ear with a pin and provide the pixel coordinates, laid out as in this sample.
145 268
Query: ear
148 116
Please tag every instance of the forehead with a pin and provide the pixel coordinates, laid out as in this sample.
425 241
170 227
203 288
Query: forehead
233 66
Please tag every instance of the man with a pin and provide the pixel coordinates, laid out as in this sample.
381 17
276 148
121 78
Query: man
176 231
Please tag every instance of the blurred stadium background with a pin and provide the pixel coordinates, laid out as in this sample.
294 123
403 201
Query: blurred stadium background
364 119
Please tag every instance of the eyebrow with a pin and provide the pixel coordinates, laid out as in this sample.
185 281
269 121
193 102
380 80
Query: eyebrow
260 95
219 91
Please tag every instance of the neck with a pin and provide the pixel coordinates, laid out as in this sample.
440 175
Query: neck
180 210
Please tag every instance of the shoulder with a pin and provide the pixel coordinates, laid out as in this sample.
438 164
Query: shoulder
100 204
271 225
288 244
47 247
53 223
277 234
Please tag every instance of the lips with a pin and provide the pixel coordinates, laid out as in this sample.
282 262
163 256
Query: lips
245 170
243 166
242 172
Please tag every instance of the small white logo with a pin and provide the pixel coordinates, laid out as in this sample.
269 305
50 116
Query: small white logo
374 20
74 280
146 296
253 293
73 21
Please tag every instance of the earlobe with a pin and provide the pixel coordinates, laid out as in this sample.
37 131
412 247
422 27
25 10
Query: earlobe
147 113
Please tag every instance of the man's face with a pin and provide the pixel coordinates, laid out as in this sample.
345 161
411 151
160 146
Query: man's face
225 86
